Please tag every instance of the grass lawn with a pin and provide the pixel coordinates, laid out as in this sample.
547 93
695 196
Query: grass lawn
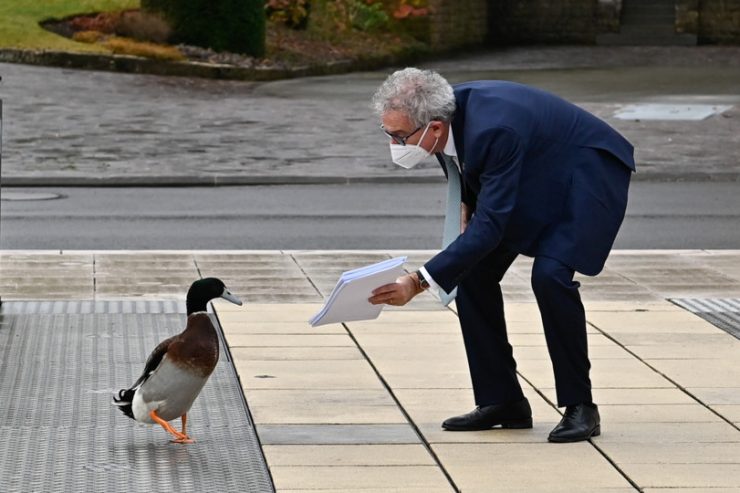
19 22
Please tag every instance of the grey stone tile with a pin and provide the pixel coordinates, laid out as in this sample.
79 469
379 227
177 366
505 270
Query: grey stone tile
296 353
336 434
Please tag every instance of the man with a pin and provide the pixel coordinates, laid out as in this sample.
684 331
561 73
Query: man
540 177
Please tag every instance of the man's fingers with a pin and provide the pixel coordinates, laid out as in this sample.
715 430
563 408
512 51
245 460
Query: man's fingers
384 294
386 289
381 299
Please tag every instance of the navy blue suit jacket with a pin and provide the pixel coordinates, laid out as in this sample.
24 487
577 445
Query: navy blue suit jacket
543 176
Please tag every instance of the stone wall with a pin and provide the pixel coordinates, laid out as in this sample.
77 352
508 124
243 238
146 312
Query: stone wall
687 16
534 21
719 21
456 23
713 21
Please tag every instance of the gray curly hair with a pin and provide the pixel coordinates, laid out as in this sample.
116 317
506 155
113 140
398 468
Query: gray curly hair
423 95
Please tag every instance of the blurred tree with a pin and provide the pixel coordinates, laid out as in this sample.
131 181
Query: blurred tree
223 25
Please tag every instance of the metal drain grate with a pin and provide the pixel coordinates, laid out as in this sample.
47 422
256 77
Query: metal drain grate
722 312
60 363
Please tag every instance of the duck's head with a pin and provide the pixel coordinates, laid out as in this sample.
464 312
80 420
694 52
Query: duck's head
204 290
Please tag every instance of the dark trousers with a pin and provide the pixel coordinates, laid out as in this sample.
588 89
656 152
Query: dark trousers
490 359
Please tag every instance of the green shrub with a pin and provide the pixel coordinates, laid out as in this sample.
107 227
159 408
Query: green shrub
292 13
331 18
222 25
366 17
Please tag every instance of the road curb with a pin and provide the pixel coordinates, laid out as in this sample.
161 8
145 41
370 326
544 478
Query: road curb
247 180
207 181
139 65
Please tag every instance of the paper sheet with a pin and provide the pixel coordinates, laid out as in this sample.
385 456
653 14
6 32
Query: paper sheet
348 300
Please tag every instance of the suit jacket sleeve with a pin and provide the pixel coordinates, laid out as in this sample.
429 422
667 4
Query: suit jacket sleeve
498 165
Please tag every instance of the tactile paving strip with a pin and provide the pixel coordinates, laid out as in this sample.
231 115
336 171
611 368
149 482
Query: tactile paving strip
60 363
722 312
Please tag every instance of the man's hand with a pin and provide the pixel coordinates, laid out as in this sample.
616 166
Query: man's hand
398 293
465 215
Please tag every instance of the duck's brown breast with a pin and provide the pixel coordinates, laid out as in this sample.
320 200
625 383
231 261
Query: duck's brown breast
196 348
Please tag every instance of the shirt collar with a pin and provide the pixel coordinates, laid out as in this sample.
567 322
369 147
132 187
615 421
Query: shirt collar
450 148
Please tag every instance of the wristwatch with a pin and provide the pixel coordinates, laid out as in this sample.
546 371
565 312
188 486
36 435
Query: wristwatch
423 283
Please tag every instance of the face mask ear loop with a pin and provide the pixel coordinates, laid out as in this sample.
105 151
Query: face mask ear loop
429 153
423 134
435 145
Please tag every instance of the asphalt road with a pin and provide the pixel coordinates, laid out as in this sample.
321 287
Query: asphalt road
673 215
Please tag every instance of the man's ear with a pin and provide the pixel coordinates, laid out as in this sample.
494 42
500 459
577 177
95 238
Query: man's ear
438 129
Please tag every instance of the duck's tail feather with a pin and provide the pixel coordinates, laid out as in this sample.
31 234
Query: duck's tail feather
124 400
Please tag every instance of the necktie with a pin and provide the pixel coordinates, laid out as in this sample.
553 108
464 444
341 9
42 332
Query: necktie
452 216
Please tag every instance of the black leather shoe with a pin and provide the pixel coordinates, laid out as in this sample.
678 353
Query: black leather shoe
580 422
509 415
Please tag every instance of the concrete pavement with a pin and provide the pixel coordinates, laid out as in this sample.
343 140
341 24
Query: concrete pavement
357 407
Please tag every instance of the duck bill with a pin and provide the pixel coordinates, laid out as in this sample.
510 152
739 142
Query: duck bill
230 297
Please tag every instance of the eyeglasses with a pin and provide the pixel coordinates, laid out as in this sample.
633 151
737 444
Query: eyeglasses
397 139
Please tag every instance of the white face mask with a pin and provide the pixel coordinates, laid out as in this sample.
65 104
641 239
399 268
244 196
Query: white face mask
410 155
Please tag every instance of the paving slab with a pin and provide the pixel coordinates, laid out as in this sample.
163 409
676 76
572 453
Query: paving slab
377 327
605 373
719 432
690 490
675 453
657 413
348 455
317 374
324 407
358 478
336 434
630 396
700 373
290 340
296 353
686 475
729 412
530 467
410 489
717 396
688 351
238 326
324 415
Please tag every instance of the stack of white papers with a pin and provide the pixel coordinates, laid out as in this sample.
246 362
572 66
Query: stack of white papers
348 301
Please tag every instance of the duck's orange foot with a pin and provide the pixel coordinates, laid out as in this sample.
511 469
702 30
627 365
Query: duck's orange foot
183 440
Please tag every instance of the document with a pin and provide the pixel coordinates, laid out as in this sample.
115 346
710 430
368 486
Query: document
348 300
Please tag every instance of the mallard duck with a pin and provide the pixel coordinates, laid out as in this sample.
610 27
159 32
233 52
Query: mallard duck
179 366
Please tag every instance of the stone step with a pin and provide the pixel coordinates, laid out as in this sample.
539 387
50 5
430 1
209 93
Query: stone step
646 39
645 10
641 13
648 29
645 7
653 19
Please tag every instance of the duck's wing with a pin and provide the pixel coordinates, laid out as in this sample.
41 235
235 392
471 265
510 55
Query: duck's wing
153 361
125 397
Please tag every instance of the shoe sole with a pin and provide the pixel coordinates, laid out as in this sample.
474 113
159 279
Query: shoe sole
516 424
595 433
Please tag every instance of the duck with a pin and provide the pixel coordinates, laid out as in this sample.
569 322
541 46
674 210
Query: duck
178 368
